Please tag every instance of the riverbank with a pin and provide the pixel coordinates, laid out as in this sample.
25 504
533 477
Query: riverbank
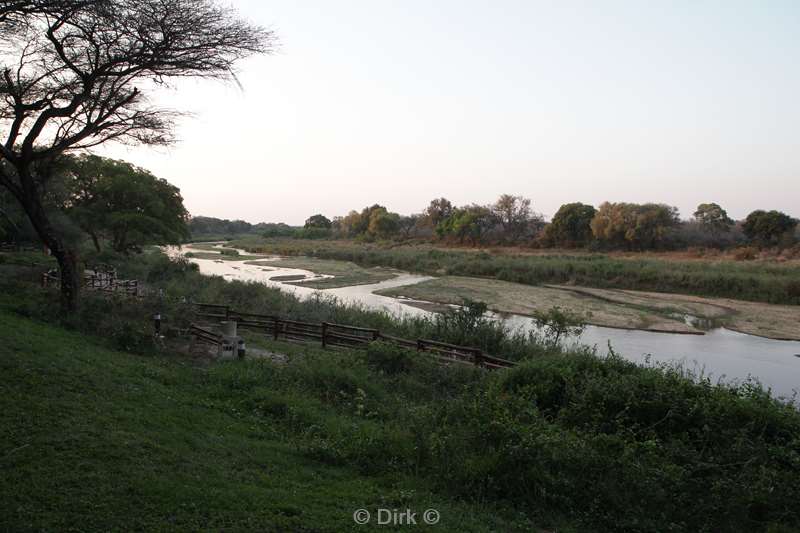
760 281
646 311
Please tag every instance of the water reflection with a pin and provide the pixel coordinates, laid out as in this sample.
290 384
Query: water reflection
720 354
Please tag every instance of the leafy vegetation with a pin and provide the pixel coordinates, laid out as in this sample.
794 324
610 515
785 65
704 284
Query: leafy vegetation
570 441
123 204
95 439
761 282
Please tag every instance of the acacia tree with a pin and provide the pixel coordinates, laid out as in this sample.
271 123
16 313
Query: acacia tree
75 73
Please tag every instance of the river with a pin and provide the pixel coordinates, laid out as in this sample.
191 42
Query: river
720 354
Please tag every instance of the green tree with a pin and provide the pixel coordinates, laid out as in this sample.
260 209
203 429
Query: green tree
514 215
407 224
639 226
768 227
124 204
76 74
571 225
437 211
318 221
469 223
382 223
713 218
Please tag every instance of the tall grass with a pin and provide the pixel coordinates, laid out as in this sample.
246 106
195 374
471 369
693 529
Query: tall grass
772 283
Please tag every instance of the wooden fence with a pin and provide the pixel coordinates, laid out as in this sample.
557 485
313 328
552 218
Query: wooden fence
99 280
337 335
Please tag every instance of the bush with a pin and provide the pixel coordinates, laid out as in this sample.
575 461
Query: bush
390 358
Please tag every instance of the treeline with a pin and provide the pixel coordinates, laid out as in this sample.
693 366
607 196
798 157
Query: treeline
511 221
210 228
205 228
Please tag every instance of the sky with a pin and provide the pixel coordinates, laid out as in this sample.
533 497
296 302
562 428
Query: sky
400 102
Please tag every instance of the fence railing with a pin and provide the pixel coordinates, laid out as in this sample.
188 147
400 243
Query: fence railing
98 281
338 335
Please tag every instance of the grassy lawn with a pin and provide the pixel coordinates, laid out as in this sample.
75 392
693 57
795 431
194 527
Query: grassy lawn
94 439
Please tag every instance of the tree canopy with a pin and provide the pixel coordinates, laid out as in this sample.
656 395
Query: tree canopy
638 226
713 218
768 227
123 204
571 225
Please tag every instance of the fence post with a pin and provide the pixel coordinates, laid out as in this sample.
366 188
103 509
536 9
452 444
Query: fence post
478 357
277 327
420 345
324 332
375 335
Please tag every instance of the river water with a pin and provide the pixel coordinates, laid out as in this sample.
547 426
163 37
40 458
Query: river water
720 354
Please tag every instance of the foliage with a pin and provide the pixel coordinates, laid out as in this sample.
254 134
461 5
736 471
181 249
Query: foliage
515 216
571 225
469 223
79 69
762 282
609 444
125 204
558 324
162 442
637 226
383 224
438 210
769 227
713 218
318 221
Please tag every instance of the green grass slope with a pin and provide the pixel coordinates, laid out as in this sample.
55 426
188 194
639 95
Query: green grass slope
94 439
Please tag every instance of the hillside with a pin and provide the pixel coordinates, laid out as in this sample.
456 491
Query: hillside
96 440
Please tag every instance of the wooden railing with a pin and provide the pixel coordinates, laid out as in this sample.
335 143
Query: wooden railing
98 281
341 335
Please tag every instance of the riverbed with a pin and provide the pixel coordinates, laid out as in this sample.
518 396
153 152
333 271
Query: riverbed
720 354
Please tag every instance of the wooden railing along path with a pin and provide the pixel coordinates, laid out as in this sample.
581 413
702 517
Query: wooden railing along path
336 335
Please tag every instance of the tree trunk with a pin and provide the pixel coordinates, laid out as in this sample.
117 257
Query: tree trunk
67 258
70 278
95 241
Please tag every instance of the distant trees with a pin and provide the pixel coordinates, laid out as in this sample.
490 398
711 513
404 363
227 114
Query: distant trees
407 224
511 220
514 215
382 223
634 226
123 204
713 218
467 224
318 221
571 225
438 210
769 227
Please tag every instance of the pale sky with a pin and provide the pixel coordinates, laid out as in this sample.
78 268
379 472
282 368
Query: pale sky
399 102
